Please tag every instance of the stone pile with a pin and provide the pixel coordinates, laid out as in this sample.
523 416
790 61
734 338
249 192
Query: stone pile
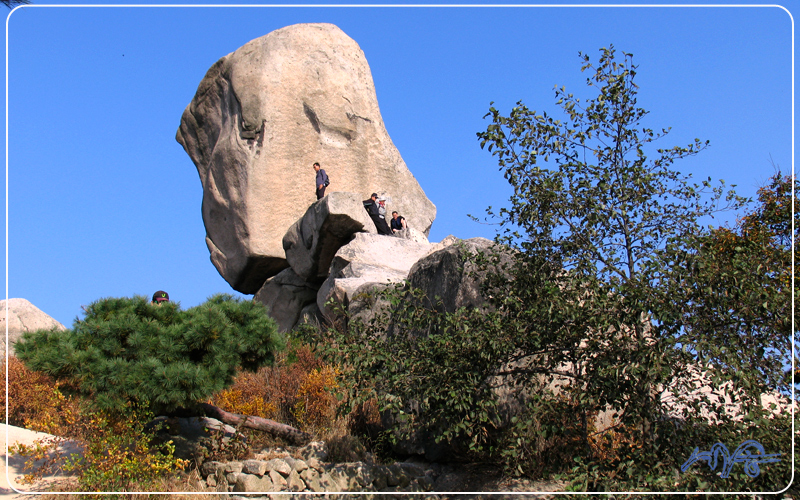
307 471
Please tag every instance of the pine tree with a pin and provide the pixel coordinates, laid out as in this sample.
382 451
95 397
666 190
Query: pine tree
128 350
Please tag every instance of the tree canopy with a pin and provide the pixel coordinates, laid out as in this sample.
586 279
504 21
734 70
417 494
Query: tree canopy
128 350
617 301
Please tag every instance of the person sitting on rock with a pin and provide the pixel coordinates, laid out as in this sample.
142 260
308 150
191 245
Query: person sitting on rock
159 297
398 222
373 209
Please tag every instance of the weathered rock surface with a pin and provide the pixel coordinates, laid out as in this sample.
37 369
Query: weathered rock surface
286 296
446 273
327 225
23 317
369 258
261 116
412 234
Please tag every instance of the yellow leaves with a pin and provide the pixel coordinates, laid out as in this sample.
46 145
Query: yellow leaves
301 390
236 400
35 401
316 402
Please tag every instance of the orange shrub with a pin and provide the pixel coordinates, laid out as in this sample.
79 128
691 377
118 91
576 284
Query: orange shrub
247 397
316 401
36 402
296 390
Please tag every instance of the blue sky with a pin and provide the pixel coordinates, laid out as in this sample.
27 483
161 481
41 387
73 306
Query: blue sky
102 201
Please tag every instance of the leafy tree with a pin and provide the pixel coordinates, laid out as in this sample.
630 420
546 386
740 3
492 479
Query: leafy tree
128 350
601 309
738 294
598 222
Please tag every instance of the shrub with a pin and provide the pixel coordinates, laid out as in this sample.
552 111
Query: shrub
127 350
316 400
297 389
247 396
117 454
36 402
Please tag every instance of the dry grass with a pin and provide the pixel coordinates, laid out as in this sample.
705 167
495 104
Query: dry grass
182 486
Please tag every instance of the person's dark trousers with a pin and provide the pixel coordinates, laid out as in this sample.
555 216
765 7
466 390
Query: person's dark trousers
380 225
321 193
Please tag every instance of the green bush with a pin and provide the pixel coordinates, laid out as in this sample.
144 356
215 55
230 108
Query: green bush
614 292
128 350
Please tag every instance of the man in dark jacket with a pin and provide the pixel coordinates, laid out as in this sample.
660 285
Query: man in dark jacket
371 205
398 222
322 181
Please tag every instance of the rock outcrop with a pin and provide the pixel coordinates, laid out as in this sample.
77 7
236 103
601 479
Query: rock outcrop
327 225
369 258
23 317
334 252
286 296
448 275
261 116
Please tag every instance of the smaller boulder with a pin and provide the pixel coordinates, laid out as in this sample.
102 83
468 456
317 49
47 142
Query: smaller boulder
23 317
312 241
369 258
448 274
286 296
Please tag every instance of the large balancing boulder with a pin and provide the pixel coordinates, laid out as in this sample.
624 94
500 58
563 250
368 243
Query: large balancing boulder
259 120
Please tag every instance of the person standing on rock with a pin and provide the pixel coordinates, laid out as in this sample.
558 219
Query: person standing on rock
398 222
373 209
322 180
382 208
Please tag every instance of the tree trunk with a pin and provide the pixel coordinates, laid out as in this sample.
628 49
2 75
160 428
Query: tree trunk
283 431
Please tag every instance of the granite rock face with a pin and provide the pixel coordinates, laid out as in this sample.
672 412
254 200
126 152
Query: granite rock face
369 258
327 225
261 117
23 317
286 296
447 273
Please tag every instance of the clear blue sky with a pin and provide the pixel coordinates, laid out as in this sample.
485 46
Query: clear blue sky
102 201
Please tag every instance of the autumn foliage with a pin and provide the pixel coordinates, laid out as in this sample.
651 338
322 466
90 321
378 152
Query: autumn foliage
299 390
36 402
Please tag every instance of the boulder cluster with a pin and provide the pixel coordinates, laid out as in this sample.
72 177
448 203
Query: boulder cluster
261 118
335 257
